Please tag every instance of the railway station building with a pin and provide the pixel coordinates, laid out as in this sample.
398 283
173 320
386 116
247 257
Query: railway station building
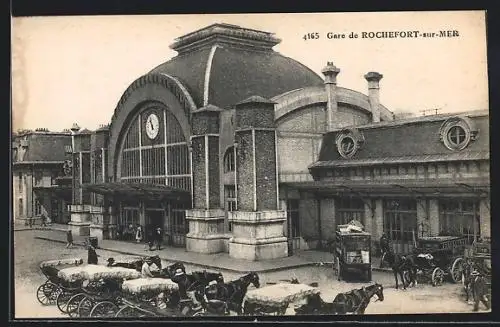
232 147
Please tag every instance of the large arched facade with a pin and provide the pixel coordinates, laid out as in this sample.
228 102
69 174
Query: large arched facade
150 134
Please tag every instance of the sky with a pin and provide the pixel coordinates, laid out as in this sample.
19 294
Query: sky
71 69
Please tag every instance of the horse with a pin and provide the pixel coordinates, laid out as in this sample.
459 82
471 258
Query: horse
355 301
400 264
170 270
234 291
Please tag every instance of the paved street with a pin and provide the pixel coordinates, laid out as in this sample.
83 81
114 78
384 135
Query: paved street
29 252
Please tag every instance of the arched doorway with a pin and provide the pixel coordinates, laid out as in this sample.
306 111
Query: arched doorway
154 151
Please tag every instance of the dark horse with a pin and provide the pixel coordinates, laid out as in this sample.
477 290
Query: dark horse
234 292
355 301
195 280
401 264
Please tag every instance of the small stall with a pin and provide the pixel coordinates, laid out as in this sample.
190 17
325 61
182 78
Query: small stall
352 251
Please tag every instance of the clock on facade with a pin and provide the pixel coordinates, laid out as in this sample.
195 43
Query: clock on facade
152 126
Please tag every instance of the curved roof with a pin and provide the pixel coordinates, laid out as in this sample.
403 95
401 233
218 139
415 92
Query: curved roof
224 75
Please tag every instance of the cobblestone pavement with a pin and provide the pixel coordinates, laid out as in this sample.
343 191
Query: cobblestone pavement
29 252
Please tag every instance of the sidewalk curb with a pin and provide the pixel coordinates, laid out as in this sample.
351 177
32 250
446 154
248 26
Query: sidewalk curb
294 266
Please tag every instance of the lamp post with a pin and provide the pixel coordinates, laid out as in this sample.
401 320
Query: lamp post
74 129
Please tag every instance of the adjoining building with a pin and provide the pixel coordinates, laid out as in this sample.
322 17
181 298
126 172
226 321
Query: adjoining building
232 147
39 182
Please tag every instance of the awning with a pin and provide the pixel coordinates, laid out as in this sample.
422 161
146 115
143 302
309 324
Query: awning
138 190
60 191
430 158
471 187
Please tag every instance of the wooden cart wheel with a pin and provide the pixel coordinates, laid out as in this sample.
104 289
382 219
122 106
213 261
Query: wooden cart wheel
104 309
127 312
62 300
72 306
456 270
44 292
437 276
85 306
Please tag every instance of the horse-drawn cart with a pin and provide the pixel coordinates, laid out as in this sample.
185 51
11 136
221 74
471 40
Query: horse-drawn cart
100 284
439 256
148 297
481 260
352 252
275 299
49 291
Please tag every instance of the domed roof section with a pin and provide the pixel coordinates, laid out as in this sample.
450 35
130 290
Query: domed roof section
223 64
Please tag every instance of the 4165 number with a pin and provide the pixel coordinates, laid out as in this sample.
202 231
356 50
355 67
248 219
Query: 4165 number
311 36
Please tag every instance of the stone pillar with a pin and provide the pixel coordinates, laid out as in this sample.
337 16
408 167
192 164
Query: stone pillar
434 217
331 72
422 218
373 79
206 219
80 209
378 219
485 218
368 216
258 224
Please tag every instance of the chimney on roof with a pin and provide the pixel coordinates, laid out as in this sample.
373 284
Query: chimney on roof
373 79
331 72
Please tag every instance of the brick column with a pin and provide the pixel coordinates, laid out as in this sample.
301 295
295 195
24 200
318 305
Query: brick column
258 224
80 210
206 219
378 219
485 217
434 216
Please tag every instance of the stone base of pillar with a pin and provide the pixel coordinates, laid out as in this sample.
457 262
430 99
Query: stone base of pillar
206 231
258 235
79 228
97 231
264 250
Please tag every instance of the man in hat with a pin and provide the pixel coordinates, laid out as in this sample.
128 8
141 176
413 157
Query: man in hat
385 247
92 255
181 279
146 269
159 238
111 262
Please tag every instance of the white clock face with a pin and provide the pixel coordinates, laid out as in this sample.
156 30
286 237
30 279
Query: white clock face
152 126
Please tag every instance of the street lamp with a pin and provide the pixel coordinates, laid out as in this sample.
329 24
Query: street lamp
74 129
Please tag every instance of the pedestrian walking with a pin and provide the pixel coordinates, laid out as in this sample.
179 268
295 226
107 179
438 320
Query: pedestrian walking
30 222
138 234
44 220
92 255
69 239
385 247
159 238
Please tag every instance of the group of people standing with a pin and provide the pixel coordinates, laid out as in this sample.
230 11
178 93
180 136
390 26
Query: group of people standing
155 240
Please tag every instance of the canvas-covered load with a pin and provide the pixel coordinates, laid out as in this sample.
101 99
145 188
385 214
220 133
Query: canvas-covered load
61 262
72 274
127 259
96 272
280 294
143 285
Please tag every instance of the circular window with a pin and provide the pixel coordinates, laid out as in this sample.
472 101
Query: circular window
456 133
457 136
348 143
